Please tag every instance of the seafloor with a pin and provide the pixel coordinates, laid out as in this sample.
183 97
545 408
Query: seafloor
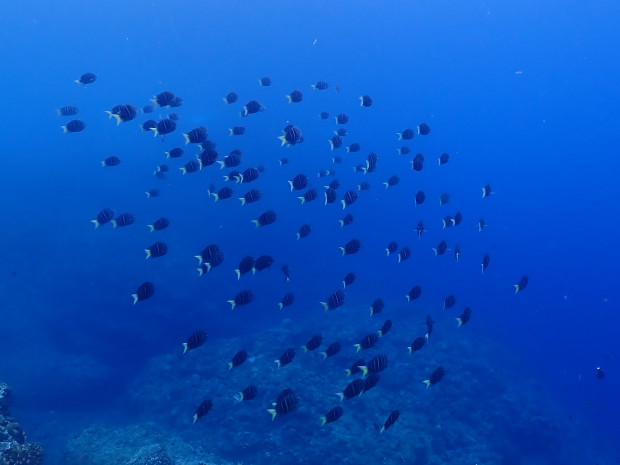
486 410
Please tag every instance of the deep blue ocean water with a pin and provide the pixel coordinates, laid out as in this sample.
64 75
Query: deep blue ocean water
522 95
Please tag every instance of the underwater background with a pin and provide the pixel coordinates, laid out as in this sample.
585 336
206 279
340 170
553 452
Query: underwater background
522 95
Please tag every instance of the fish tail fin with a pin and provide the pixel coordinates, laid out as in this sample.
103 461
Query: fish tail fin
283 140
230 365
340 396
232 303
305 349
225 100
215 197
324 354
348 150
386 184
185 347
183 170
117 118
238 274
186 138
113 223
148 253
135 298
298 236
255 222
281 305
435 250
200 272
380 333
273 413
242 201
400 135
325 305
303 200
382 430
348 371
95 222
155 132
459 321
291 184
290 99
410 349
341 223
358 347
64 129
151 228
408 298
277 362
195 418
331 144
148 194
239 397
323 421
517 288
364 370
221 163
343 250
230 131
427 382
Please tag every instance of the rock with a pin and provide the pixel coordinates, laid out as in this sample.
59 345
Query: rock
14 448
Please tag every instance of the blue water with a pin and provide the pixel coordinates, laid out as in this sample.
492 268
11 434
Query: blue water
521 95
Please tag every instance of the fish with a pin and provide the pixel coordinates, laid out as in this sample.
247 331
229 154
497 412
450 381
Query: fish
404 254
320 85
349 199
148 109
332 416
211 256
487 191
207 157
332 350
236 130
310 195
75 125
152 193
283 161
68 110
262 263
435 377
390 421
485 262
264 81
242 298
417 164
465 317
238 359
342 118
404 150
124 219
176 102
336 159
385 328
231 160
249 393
458 219
354 388
286 301
164 126
251 196
443 159
174 116
266 218
420 197
347 220
245 266
148 125
286 403
366 101
295 97
103 217
191 166
376 365
354 147
196 136
392 181
481 224
324 115
522 284
354 369
159 224
86 78
600 374
424 129
371 381
124 113
367 342
285 270
335 142
391 248
449 302
447 222
371 163
158 249
313 344
348 280
414 293
195 340
222 194
330 195
429 326
291 135
287 357
457 252
203 409
304 231
335 300
406 134
175 153
144 291
163 99
351 247
444 198
417 344
441 248
377 306
232 97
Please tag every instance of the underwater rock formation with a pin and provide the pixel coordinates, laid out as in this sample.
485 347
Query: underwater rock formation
14 448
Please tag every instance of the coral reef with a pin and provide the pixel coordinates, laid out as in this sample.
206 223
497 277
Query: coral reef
14 448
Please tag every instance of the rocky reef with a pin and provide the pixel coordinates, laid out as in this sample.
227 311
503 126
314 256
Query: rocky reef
14 447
